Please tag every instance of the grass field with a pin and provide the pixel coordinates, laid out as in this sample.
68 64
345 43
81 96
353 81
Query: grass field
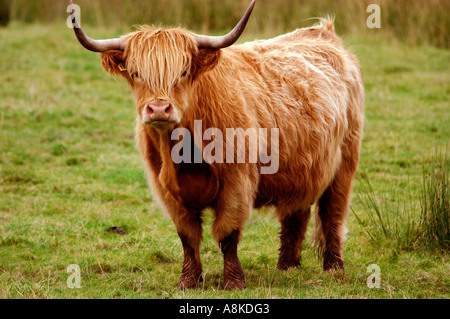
69 170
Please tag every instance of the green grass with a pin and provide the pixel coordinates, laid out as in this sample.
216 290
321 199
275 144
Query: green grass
69 170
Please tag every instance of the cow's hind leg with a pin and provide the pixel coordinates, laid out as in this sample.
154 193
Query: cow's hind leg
292 234
331 215
189 228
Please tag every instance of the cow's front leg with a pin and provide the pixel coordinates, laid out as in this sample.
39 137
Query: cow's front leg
189 229
227 227
232 211
232 269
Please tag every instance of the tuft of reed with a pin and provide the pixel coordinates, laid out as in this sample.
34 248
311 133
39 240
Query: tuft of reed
421 220
388 219
435 205
415 22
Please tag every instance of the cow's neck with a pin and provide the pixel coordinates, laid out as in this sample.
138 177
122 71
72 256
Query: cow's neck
168 174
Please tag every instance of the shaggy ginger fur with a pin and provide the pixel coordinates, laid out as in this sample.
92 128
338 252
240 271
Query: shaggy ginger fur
303 83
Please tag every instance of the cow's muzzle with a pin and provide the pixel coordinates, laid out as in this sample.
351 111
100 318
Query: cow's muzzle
159 113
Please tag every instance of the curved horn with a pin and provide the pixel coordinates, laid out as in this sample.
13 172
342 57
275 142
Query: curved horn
211 42
91 44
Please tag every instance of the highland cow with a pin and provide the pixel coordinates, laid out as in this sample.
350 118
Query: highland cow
304 84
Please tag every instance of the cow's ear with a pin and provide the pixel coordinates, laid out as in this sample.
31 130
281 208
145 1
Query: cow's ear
205 60
113 62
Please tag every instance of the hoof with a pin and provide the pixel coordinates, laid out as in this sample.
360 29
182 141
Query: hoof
189 283
332 262
284 266
234 285
335 265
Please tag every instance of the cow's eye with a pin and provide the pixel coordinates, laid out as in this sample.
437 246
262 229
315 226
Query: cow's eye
136 75
184 74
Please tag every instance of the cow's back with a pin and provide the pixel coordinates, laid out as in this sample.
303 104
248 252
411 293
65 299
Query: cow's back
308 85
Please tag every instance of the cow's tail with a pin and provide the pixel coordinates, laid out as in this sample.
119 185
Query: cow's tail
327 23
319 237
